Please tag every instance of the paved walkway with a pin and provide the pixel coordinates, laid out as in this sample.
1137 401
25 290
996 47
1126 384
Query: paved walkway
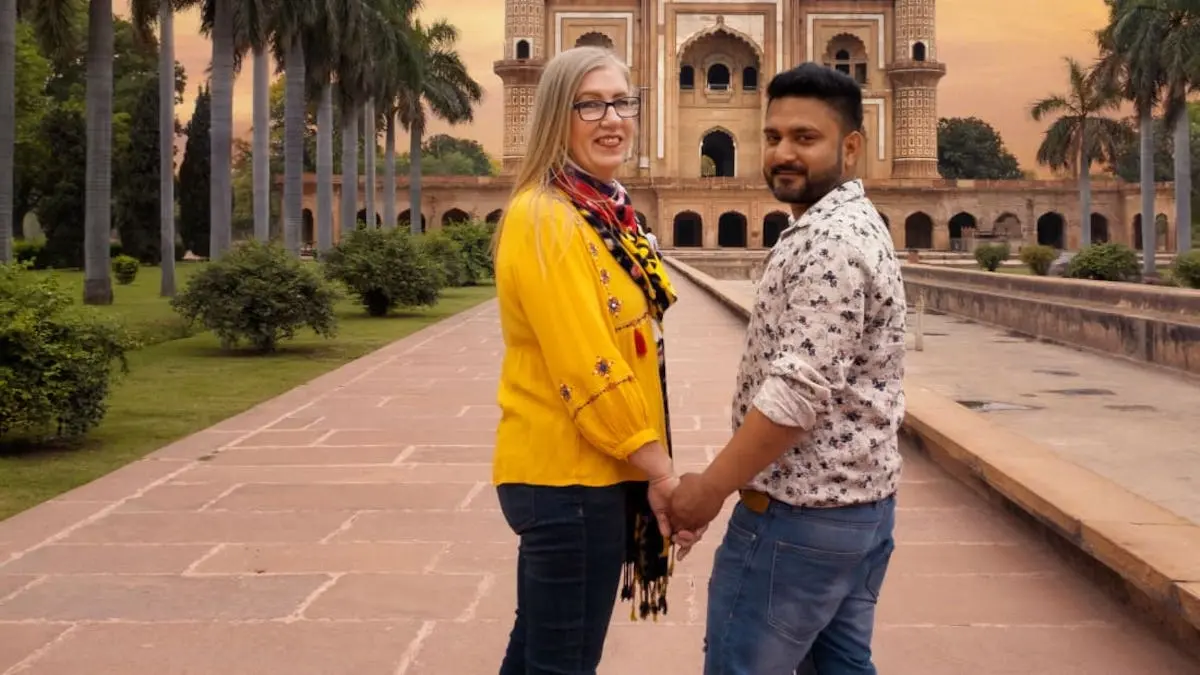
349 528
1135 425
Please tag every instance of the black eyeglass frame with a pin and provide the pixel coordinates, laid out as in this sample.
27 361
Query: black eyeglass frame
578 106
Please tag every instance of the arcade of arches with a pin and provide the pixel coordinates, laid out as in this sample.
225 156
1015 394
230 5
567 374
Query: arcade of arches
729 213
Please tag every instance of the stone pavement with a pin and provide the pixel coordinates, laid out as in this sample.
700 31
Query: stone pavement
349 527
1133 424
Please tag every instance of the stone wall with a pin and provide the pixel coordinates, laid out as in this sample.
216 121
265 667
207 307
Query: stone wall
1149 324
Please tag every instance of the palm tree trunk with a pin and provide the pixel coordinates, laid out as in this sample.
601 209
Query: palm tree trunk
221 131
8 124
293 146
166 146
1085 197
349 168
416 216
325 170
1183 183
389 173
262 145
370 152
97 227
1146 157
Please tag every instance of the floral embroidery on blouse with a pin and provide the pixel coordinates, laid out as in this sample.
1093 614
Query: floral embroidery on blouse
603 367
825 351
614 305
565 392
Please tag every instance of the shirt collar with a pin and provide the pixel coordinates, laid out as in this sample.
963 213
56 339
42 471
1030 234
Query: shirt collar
851 190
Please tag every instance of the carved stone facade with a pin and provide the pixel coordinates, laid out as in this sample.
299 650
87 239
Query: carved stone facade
702 66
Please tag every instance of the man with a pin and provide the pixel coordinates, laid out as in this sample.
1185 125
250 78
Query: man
816 410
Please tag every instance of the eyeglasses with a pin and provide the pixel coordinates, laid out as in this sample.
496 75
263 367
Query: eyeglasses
594 111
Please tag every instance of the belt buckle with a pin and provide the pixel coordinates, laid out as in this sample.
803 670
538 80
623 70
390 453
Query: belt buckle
755 501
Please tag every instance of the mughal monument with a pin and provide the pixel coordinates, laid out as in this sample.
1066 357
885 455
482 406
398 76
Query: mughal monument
701 68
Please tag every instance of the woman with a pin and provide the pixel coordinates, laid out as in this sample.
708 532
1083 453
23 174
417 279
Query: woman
582 464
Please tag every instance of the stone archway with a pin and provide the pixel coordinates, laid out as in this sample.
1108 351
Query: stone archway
918 231
688 230
494 217
719 147
1100 233
1008 227
774 223
961 225
308 235
405 219
732 230
361 217
454 216
594 39
1052 230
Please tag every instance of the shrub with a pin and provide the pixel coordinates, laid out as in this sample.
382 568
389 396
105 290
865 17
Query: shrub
989 256
448 254
258 294
1186 269
56 357
1038 258
385 269
475 239
31 252
1104 262
125 269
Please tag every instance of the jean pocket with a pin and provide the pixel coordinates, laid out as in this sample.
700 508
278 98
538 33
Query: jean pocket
518 503
812 572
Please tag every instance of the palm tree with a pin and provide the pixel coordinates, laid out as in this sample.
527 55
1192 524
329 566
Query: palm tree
54 25
257 34
1081 135
143 13
291 22
219 21
322 41
436 77
1160 37
97 220
387 87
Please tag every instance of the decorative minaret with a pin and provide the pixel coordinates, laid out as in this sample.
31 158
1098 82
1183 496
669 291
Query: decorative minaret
524 57
915 72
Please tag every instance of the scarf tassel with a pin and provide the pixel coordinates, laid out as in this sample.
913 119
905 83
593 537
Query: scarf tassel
639 342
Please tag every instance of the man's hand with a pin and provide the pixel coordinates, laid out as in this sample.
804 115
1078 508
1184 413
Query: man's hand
686 539
695 503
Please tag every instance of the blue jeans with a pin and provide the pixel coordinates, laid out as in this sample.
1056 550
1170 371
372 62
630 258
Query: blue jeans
572 547
791 583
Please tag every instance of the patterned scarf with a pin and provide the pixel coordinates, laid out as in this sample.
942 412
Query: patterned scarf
608 210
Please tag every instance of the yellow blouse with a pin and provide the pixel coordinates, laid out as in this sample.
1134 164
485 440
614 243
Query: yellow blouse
575 397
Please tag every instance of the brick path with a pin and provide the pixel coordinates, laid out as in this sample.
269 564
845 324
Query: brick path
349 528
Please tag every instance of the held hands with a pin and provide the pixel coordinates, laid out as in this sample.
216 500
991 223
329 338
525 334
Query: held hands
695 502
664 491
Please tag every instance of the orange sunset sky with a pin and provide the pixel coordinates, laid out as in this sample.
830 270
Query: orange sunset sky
1000 55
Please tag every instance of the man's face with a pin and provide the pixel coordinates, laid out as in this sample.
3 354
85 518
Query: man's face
805 154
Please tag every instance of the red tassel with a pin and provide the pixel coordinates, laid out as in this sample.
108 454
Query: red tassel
639 342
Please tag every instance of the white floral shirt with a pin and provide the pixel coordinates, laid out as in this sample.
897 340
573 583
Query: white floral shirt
825 351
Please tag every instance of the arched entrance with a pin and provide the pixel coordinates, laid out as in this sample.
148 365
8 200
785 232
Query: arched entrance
454 216
405 219
731 230
1051 230
1099 229
719 148
494 217
774 223
959 225
918 231
688 230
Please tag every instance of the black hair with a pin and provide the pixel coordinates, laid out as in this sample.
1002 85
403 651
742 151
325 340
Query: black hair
833 87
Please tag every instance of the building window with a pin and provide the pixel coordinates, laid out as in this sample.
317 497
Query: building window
847 54
687 78
749 78
718 77
523 49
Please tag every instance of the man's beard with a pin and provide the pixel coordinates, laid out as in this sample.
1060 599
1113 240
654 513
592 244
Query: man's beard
816 184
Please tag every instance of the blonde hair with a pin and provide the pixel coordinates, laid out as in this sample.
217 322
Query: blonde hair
549 130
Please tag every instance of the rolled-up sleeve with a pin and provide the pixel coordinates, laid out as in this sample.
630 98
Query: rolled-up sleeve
565 311
817 336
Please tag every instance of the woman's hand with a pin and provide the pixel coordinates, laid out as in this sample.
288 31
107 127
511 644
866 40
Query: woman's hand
686 539
660 492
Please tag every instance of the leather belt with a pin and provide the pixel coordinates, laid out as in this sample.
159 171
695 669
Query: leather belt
755 501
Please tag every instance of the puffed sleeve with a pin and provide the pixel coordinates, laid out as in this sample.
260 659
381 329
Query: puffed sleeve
817 336
557 283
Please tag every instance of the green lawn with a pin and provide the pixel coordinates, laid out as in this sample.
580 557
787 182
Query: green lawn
180 386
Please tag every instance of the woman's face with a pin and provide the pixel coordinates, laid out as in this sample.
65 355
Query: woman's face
603 120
